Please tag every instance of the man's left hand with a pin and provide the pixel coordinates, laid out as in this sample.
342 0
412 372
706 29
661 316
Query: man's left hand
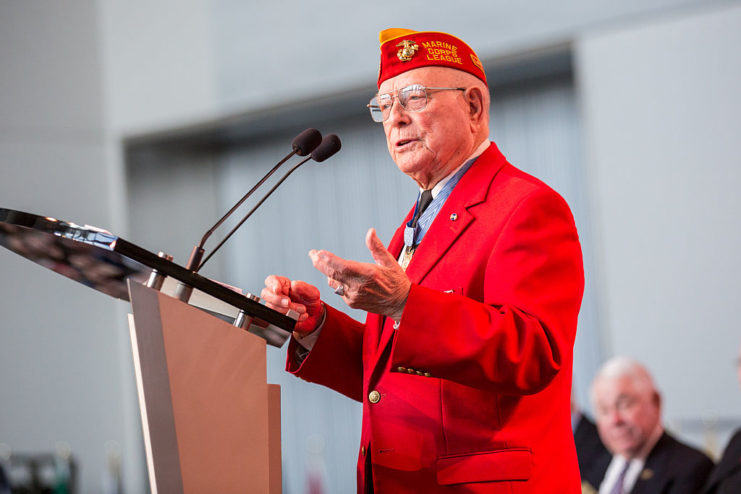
381 288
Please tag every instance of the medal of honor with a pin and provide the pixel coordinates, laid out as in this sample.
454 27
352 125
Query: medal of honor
406 257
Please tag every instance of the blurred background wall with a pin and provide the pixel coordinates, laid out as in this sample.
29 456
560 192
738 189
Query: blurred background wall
151 118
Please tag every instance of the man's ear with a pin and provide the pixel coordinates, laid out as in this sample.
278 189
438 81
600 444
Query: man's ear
475 101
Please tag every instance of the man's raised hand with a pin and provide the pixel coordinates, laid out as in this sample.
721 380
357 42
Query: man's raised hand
381 288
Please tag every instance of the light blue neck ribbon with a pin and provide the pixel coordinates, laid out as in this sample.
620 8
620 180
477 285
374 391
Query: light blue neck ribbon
413 236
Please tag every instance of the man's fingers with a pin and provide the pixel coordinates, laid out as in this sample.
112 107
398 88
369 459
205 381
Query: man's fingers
278 284
305 293
276 291
325 262
278 295
379 252
274 300
335 267
283 294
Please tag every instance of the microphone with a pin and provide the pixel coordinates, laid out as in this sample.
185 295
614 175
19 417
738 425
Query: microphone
306 142
303 144
329 146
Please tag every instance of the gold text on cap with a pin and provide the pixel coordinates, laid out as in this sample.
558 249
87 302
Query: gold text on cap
477 62
407 50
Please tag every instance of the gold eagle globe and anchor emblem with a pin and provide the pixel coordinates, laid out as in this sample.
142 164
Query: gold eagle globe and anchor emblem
407 50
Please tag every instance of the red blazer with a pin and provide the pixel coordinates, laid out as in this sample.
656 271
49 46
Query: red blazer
471 392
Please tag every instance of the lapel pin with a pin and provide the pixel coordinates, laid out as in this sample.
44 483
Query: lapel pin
647 474
453 216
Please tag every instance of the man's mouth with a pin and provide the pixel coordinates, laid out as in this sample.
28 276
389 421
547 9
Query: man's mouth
403 142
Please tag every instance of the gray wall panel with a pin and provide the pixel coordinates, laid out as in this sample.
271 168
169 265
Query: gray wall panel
62 370
665 176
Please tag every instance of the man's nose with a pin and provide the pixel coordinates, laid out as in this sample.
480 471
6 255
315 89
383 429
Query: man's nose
397 114
615 416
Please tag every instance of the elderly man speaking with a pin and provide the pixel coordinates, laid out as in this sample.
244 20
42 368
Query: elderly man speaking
464 362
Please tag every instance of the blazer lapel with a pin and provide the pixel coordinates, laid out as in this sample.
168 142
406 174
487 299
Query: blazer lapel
397 241
375 322
658 460
454 217
449 224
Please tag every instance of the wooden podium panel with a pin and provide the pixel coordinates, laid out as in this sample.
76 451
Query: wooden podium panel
211 422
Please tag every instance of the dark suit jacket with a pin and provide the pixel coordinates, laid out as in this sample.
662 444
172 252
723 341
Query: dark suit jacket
592 455
4 483
726 477
673 468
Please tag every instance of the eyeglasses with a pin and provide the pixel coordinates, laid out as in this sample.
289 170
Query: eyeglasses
412 98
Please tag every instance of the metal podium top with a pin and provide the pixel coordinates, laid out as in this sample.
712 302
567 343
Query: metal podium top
104 261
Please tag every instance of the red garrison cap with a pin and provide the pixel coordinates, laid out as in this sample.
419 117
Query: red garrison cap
404 49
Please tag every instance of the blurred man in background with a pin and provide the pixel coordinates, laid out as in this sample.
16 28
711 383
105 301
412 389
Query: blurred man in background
726 476
645 458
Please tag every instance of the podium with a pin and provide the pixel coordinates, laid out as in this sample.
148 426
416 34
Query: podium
211 422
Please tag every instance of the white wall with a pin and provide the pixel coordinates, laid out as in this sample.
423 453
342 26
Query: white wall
61 365
175 62
329 44
157 63
662 118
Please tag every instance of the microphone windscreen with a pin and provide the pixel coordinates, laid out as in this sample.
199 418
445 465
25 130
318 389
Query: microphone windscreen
306 141
329 146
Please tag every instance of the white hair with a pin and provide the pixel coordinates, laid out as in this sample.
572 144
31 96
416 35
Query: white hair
619 367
